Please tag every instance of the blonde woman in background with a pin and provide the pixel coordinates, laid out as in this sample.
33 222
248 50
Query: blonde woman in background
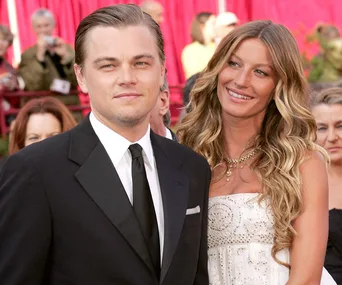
196 55
268 217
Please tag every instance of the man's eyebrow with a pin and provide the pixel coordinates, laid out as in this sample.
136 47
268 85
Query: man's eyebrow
114 59
105 58
145 55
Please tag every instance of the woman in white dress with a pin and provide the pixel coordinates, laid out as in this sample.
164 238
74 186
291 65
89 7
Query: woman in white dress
268 207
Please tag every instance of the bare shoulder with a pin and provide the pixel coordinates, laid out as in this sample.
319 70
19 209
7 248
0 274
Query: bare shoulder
314 174
314 160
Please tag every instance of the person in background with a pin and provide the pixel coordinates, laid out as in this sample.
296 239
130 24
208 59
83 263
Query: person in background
8 75
189 84
37 120
154 9
225 23
48 65
324 67
160 116
326 106
196 55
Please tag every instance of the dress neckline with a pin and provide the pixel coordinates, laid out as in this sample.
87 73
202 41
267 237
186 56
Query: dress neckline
335 209
234 195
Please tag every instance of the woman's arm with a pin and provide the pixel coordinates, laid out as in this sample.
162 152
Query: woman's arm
309 246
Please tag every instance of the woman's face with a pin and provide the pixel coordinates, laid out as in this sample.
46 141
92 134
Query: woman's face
247 81
329 129
3 45
41 126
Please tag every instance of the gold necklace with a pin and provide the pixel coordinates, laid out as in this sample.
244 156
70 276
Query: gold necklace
235 163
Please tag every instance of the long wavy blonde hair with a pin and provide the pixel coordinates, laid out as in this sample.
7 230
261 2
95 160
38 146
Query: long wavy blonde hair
287 133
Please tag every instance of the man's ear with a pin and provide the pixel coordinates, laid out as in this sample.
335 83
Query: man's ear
80 78
162 74
165 102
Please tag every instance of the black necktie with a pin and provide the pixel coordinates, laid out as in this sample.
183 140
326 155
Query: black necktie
143 205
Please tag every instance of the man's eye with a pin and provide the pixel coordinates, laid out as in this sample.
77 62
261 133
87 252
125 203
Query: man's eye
107 66
141 63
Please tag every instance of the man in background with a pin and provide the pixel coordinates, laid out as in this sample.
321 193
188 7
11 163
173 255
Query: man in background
154 9
160 116
48 65
225 23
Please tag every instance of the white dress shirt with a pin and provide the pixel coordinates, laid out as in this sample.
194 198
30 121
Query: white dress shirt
117 150
168 134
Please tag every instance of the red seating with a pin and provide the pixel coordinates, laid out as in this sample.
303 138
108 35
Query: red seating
29 94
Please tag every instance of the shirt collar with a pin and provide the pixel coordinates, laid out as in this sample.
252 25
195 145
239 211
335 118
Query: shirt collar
116 145
168 133
145 143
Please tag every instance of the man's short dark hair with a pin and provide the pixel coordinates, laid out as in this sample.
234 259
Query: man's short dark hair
117 16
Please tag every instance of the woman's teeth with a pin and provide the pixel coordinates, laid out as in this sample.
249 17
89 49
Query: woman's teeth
238 96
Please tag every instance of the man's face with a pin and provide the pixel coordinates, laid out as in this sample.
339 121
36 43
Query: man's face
43 26
222 31
157 13
159 111
122 73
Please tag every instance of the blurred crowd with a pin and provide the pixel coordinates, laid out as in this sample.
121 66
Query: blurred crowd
48 64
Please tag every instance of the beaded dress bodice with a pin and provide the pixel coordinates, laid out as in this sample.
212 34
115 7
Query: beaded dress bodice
240 239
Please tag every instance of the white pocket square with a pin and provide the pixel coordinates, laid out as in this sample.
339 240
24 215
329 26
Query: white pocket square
192 211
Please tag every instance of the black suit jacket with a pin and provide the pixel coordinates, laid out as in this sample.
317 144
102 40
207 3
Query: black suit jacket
65 218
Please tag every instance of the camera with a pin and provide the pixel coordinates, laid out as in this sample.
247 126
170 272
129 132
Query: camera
51 41
5 79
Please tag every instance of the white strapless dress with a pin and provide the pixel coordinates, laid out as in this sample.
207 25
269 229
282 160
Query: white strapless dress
240 239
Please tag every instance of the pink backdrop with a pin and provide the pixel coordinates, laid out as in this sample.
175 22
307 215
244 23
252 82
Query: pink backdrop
300 16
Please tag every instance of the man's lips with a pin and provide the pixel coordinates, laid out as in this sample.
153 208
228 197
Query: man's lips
127 95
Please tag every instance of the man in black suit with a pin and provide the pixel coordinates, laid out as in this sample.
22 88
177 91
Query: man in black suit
108 202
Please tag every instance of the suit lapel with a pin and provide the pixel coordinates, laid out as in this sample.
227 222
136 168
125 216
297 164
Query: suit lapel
100 180
174 187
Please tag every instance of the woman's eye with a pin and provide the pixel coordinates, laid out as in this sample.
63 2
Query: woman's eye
263 73
32 138
321 129
233 63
